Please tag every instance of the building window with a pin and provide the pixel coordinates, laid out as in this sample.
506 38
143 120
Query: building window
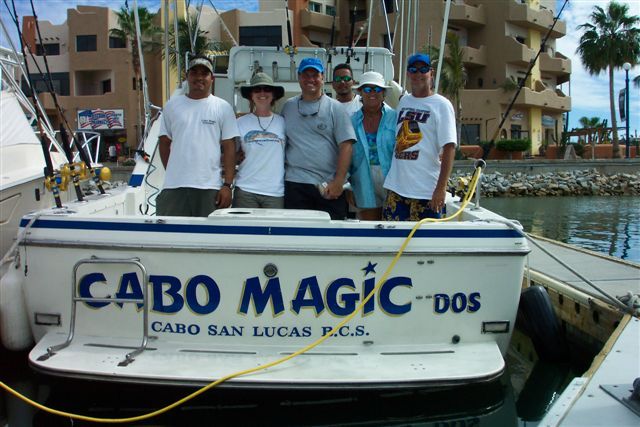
60 83
270 35
470 134
106 86
516 131
86 43
521 39
330 10
49 49
117 43
315 7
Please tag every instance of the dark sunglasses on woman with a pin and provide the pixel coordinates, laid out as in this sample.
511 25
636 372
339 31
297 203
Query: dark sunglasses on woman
369 89
267 89
424 70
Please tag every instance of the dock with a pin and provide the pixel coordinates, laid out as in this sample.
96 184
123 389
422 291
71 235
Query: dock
602 395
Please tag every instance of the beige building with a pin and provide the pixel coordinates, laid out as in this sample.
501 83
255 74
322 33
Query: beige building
91 72
498 39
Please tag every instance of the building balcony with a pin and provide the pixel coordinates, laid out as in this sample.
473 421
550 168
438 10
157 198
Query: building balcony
473 57
517 53
317 21
465 15
549 100
541 20
558 66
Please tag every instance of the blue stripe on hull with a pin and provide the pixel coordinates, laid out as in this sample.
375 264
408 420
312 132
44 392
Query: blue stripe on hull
266 230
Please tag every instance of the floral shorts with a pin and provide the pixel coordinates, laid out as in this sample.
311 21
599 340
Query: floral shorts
398 208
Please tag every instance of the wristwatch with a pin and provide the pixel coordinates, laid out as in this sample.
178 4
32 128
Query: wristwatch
228 184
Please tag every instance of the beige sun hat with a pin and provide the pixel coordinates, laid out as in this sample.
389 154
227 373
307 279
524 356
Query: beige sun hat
262 79
372 78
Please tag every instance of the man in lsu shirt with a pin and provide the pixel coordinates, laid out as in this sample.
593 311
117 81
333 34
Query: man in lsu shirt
426 131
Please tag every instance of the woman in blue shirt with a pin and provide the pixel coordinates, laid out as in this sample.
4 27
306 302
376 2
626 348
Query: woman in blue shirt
375 126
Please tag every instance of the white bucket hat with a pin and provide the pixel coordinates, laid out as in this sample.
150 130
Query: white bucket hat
371 78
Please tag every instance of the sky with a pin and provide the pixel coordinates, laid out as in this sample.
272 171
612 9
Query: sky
589 94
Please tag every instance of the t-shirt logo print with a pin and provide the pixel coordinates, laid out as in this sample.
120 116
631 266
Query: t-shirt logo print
408 135
208 122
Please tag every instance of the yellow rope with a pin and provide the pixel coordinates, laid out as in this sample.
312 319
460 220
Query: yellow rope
308 347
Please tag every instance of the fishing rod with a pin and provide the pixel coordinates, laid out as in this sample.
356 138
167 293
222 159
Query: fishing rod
66 147
366 50
84 156
352 20
290 48
332 48
487 147
50 177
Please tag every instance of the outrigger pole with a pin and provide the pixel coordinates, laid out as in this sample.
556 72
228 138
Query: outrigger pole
50 178
486 148
66 146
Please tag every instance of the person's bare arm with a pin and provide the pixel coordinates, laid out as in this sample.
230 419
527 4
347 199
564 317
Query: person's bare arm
165 149
229 162
334 188
448 155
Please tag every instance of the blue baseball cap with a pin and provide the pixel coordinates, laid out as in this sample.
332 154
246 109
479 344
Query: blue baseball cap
419 57
314 63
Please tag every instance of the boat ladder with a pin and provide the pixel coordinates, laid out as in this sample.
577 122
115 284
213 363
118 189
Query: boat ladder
75 298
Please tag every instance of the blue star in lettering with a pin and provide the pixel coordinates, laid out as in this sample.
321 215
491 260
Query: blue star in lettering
370 268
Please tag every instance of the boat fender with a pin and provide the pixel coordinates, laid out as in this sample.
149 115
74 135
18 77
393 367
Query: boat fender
537 319
15 330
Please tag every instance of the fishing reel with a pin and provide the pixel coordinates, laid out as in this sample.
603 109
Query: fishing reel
57 180
291 50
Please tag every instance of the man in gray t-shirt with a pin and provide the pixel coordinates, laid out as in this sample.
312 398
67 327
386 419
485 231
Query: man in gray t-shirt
319 145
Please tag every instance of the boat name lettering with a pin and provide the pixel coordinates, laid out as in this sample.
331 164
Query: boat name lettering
201 294
257 331
457 302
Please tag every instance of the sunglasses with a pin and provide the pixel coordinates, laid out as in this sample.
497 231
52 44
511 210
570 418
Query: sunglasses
309 115
424 70
345 79
369 89
267 89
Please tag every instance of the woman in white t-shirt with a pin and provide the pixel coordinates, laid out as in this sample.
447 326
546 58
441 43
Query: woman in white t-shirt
260 178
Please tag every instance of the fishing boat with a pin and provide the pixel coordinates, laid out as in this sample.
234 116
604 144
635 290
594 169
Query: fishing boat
264 298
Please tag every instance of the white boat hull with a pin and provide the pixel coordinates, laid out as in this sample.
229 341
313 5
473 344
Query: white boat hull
243 288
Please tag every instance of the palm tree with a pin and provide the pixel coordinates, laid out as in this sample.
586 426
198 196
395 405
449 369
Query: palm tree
454 77
184 41
127 32
609 40
591 125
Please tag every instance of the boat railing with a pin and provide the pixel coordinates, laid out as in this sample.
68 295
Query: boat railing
75 298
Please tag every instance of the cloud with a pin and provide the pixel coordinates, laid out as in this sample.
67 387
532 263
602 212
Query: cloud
590 94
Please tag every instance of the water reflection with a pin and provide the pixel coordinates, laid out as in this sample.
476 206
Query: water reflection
610 225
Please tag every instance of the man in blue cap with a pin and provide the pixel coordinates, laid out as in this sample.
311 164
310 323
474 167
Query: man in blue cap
319 145
425 149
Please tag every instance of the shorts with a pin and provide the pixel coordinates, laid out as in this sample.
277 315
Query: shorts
398 208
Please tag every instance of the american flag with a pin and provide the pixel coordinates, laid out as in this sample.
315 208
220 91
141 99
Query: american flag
100 119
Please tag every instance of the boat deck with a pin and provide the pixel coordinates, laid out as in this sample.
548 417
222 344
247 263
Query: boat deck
589 399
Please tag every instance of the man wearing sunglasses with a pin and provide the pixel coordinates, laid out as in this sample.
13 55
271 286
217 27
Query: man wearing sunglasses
319 145
424 151
342 85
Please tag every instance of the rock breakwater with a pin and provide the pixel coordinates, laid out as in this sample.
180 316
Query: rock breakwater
566 183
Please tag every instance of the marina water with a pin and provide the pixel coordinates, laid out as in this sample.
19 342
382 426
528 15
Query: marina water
610 225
